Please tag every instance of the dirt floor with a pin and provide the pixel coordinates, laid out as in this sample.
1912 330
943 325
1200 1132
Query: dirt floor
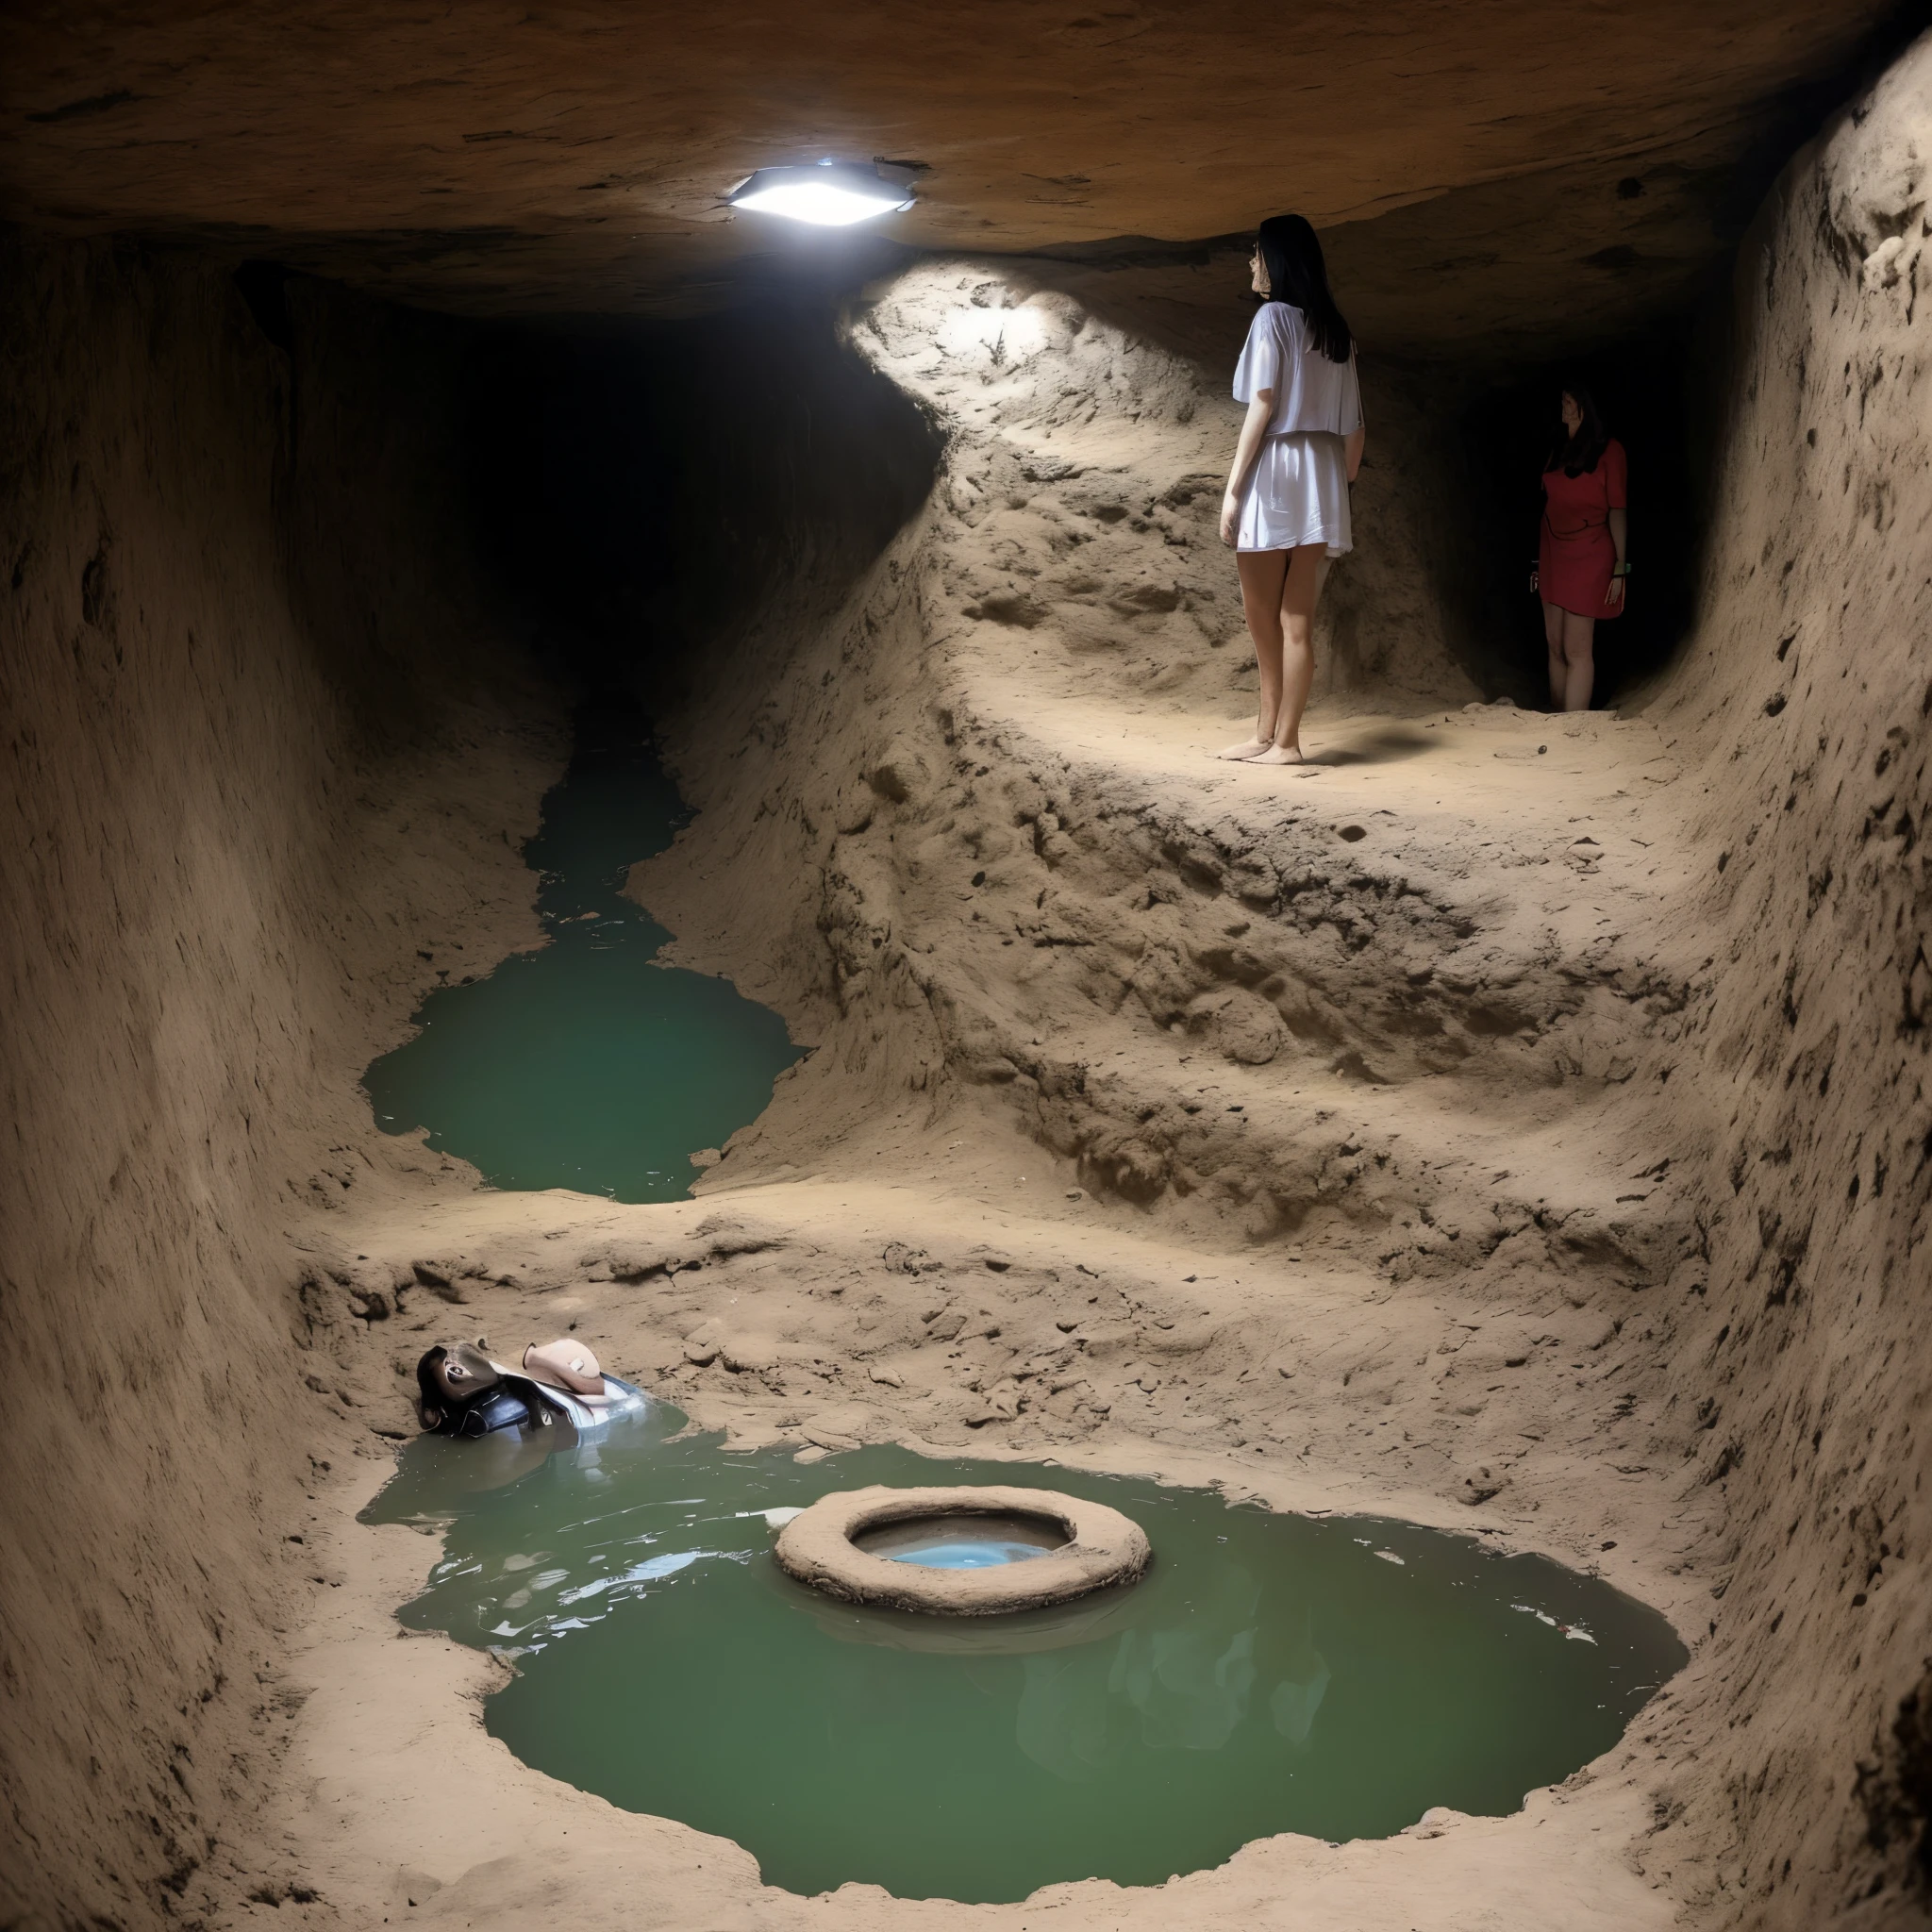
1512 1122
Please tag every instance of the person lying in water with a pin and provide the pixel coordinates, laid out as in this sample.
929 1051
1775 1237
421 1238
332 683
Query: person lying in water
1286 511
462 1392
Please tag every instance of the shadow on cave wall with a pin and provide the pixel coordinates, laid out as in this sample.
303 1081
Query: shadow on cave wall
360 471
642 493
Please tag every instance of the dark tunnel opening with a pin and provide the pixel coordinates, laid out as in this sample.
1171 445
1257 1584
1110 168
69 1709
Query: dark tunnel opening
1645 387
642 493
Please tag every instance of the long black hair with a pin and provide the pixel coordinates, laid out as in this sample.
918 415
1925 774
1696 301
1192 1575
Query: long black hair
1292 259
1573 455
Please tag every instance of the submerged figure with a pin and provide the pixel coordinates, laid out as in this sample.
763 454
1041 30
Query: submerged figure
1286 510
561 1387
1581 563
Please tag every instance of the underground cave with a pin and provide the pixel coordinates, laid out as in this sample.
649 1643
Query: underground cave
618 624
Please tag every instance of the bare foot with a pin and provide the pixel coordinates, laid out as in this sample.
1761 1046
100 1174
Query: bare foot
1245 749
1279 755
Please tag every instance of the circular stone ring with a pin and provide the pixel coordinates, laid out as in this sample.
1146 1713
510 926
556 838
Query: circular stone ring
1102 1546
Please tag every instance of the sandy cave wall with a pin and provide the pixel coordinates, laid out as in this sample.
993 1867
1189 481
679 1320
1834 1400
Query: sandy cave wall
241 677
1158 344
1804 699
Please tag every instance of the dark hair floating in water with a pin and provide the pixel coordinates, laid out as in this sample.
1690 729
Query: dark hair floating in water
1575 454
1291 256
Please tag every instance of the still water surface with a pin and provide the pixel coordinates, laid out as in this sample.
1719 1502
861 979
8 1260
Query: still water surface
585 1064
1272 1672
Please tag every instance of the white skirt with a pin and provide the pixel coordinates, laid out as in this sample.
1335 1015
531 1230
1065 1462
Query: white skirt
1297 494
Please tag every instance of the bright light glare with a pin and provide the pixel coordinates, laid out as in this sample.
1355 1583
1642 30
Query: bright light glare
833 195
821 203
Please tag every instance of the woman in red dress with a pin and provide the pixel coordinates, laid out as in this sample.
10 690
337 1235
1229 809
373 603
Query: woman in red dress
1580 566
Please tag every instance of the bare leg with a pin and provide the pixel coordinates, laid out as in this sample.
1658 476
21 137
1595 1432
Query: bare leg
1301 586
1579 660
1261 575
1559 671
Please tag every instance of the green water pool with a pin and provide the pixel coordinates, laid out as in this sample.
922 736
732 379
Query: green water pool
1272 1672
586 1064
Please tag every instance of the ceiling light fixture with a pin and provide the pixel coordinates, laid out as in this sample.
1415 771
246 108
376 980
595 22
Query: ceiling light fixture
834 194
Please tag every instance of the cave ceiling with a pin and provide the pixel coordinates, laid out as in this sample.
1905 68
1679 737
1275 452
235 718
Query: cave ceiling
1495 171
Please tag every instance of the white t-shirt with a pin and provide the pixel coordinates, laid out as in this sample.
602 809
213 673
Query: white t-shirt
1310 392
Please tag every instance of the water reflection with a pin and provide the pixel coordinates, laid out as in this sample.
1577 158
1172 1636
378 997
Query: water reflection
1172 1689
1294 1701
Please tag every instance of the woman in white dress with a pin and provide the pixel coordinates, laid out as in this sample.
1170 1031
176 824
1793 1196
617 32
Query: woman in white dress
1286 510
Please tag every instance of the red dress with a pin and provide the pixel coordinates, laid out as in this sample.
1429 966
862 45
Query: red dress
1577 552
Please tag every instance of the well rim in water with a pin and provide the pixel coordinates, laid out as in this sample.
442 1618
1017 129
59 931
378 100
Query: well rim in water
1101 1547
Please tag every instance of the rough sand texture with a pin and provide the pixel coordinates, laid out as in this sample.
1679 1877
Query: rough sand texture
1809 687
255 746
1511 1122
